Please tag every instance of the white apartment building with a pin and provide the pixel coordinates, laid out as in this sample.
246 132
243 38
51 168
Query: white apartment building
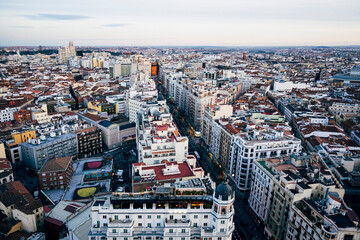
213 112
198 99
214 142
279 182
7 114
158 138
139 104
259 143
344 108
321 220
167 213
192 96
115 70
141 95
40 114
261 189
178 91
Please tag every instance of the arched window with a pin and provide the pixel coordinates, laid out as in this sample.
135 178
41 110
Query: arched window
215 208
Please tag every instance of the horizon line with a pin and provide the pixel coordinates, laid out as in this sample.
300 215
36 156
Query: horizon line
188 46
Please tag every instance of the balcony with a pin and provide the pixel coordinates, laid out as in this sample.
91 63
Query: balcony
207 231
226 233
195 231
177 232
148 232
115 234
102 231
177 222
123 223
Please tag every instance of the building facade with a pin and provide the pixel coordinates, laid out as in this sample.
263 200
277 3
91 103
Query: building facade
248 147
16 203
36 152
56 173
66 53
171 216
213 112
6 172
310 219
89 142
13 146
261 190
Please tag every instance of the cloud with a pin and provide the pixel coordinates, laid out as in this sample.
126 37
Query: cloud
21 26
55 17
116 25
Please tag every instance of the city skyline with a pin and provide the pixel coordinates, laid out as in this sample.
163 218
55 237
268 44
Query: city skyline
185 23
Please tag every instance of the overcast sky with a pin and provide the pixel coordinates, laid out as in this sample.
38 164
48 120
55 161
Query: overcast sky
180 22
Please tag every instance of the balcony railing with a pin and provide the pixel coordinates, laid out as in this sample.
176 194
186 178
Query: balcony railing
177 222
121 223
148 232
98 231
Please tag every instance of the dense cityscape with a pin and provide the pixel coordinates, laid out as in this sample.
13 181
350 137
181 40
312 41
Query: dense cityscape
178 143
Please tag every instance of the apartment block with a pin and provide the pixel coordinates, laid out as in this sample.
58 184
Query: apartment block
36 152
13 145
166 213
259 143
89 142
325 219
211 113
278 183
158 138
56 173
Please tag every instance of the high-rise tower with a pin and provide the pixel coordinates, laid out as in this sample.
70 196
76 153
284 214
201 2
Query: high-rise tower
66 53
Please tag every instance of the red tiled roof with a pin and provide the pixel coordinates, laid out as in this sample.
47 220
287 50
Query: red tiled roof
334 198
4 164
93 117
139 164
54 221
47 209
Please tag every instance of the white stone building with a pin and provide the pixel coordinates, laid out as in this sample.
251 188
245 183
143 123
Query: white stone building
258 143
261 189
158 138
213 112
7 114
164 214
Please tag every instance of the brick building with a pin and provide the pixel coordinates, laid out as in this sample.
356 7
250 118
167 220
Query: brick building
23 116
56 173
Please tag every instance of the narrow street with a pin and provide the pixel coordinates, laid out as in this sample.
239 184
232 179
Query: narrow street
245 226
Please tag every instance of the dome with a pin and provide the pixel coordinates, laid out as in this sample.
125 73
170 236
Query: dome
224 190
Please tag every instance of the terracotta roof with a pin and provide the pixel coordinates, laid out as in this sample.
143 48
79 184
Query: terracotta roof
334 198
14 193
93 117
87 130
56 164
5 164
